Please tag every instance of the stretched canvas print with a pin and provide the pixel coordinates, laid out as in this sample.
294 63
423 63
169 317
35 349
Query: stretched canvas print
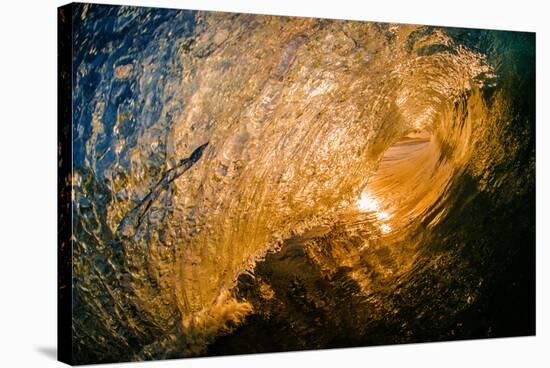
238 183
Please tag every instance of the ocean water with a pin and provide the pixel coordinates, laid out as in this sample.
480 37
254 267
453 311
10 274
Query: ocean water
248 183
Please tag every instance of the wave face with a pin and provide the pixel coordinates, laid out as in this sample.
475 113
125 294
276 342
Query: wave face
250 183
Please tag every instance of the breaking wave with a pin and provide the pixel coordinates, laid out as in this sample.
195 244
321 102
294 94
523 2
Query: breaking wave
251 183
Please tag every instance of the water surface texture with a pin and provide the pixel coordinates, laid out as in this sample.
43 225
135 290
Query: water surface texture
248 183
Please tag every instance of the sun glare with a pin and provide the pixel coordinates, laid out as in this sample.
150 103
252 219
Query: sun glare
367 203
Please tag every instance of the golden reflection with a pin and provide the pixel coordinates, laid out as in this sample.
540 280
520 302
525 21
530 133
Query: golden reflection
409 179
385 228
369 203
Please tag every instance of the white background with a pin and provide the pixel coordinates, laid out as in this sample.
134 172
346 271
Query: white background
28 182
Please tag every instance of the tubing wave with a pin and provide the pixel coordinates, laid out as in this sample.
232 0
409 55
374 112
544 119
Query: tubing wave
248 183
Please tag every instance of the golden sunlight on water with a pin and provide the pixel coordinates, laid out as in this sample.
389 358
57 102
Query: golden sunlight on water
369 203
406 165
340 184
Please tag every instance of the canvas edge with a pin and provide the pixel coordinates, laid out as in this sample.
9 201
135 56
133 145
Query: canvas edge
64 183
